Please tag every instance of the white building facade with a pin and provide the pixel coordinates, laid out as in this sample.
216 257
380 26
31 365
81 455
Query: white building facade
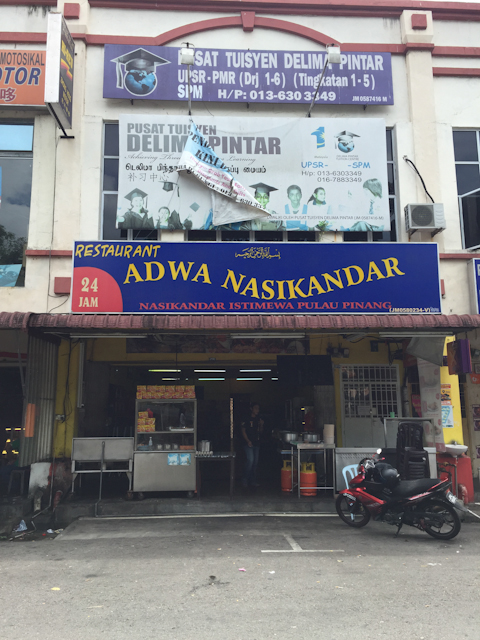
69 184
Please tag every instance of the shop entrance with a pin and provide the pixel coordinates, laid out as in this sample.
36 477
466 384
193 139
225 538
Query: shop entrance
225 389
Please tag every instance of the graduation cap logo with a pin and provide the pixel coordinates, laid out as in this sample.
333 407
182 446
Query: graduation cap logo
345 141
137 71
320 135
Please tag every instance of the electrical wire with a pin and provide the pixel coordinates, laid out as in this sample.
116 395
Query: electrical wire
421 179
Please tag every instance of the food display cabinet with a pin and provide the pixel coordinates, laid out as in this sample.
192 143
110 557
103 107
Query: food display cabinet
165 445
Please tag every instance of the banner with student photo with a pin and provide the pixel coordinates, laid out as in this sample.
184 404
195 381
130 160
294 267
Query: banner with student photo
308 173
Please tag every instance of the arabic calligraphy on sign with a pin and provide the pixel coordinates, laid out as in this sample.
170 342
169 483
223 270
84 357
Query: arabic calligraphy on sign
257 253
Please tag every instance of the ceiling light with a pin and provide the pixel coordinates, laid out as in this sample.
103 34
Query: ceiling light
249 378
248 336
170 378
85 336
210 370
415 334
205 379
166 370
253 370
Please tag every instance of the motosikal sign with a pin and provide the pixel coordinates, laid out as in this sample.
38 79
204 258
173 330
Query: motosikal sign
230 277
222 75
308 173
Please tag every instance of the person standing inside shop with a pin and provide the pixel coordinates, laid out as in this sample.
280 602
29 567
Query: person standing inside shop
252 429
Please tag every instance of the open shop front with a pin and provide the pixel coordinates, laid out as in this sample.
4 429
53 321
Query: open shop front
180 401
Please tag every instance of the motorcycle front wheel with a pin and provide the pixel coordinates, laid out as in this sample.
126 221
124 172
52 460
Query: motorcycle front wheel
352 512
443 521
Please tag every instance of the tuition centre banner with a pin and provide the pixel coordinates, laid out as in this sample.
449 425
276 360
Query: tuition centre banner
231 277
225 75
231 202
312 174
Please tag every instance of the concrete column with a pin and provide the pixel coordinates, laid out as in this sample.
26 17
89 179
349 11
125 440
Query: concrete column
421 100
417 35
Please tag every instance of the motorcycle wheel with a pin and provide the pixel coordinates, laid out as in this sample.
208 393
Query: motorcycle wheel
450 522
356 516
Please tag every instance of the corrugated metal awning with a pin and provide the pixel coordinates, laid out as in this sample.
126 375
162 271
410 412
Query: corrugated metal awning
148 323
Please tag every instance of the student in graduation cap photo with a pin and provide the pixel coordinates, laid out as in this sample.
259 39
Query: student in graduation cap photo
137 215
262 196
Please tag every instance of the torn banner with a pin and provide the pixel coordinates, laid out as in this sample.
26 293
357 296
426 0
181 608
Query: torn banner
231 202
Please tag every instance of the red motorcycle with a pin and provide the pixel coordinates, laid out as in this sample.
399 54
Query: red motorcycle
377 491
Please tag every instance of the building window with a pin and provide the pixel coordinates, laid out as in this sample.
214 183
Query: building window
110 198
466 146
388 235
16 158
110 191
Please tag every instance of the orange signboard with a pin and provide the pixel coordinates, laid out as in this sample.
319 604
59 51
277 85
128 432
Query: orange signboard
22 77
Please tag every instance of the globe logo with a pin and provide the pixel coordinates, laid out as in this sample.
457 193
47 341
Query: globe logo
137 71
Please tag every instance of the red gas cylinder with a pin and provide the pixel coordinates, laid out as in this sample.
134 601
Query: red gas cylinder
308 478
286 476
463 493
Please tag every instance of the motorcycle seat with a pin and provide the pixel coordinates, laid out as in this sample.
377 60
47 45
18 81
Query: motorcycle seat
407 488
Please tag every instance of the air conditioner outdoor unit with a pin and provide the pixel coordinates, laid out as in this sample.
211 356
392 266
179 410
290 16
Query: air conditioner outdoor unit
424 216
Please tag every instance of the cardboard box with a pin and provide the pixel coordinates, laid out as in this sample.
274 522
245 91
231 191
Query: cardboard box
143 414
149 420
141 422
139 395
141 387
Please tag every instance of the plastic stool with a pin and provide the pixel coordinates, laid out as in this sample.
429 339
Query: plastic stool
18 473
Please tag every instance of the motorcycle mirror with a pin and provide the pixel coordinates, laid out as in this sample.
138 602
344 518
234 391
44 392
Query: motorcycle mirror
379 451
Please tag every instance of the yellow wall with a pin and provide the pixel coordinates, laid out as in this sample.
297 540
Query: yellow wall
455 434
66 399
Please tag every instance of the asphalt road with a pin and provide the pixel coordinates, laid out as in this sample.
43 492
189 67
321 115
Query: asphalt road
240 578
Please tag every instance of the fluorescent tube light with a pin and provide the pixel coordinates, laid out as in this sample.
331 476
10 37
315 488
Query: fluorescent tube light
253 370
416 334
165 371
205 379
248 336
84 336
169 379
249 378
210 370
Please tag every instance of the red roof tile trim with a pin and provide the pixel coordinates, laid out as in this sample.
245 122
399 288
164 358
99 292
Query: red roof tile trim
214 323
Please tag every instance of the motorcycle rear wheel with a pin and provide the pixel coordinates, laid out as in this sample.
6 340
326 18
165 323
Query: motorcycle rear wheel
450 526
356 516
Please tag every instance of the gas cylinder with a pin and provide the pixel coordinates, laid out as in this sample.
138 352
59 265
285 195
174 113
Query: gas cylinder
308 478
463 493
286 476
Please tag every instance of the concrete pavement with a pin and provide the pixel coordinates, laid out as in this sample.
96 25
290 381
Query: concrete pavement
182 578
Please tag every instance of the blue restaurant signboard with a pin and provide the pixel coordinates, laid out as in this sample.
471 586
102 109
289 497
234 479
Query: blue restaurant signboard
267 278
225 75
